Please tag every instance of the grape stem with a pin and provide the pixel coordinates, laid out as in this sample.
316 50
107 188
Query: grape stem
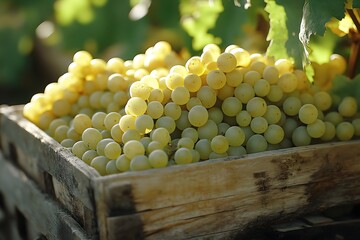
355 42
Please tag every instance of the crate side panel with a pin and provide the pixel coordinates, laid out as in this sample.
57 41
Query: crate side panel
45 215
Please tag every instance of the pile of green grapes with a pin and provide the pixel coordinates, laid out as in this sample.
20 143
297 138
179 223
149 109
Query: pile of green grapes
159 109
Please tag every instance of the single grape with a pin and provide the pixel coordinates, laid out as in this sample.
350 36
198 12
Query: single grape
140 163
256 143
308 113
183 156
198 116
345 131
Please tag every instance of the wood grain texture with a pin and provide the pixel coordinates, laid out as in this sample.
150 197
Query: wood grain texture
45 215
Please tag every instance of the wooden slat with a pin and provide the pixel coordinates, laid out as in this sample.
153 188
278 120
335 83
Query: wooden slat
224 195
44 160
45 215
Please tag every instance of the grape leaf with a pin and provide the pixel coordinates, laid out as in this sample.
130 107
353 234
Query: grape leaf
198 17
278 33
316 14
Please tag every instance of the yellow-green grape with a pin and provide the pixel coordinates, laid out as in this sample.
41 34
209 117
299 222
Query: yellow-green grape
225 92
272 114
140 90
195 66
67 143
306 97
139 163
174 80
161 135
122 163
172 110
337 63
116 133
216 114
287 82
82 58
198 116
54 124
145 141
345 131
111 119
235 77
275 94
235 136
356 124
79 148
231 106
230 47
256 143
256 107
166 122
121 98
236 151
91 137
97 120
190 133
193 101
226 62
130 134
258 125
243 118
158 159
154 145
195 155
183 121
185 142
207 96
101 146
308 113
106 98
251 77
150 81
322 100
203 147
208 131
111 167
115 65
303 81
261 88
348 107
271 74
291 106
183 156
258 66
94 99
216 79
136 106
61 107
283 66
300 137
180 95
105 133
144 124
155 109
89 155
192 82
274 134
316 129
179 69
61 133
97 66
334 117
54 91
219 144
330 132
127 122
156 95
133 148
222 128
289 126
45 119
112 150
244 92
99 163
242 57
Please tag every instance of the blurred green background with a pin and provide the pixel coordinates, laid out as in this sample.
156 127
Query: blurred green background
38 38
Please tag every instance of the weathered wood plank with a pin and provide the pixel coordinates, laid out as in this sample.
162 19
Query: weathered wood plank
45 215
52 166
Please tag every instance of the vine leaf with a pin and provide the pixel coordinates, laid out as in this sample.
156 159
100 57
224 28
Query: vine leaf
316 14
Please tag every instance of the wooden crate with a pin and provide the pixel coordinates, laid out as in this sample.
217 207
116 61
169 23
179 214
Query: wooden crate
28 213
215 199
